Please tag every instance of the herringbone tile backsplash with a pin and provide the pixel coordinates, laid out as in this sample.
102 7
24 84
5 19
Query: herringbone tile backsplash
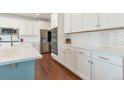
111 38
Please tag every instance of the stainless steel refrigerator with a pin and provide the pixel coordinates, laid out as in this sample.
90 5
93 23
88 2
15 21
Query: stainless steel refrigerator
45 39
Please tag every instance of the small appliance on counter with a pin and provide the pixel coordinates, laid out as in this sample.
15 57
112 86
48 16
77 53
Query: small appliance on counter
68 41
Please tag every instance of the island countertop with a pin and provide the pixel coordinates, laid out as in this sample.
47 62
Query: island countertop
10 55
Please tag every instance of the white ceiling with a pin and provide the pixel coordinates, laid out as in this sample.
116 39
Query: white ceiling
41 16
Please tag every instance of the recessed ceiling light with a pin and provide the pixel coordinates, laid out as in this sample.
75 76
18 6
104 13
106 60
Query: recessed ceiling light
37 14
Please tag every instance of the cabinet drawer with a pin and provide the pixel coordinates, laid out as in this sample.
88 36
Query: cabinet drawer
83 52
116 60
69 50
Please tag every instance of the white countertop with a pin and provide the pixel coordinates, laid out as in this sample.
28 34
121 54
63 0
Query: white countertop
109 50
24 52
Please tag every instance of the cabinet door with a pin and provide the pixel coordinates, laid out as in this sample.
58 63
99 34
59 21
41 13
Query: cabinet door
76 22
61 54
111 20
90 21
29 28
105 71
22 27
83 66
69 59
36 28
47 24
54 20
67 22
13 23
44 25
4 22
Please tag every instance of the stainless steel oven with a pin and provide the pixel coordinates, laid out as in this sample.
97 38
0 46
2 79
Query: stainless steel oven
54 48
54 41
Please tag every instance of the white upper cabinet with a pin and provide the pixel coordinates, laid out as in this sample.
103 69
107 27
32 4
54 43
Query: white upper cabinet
29 27
67 22
73 22
13 23
44 25
111 20
9 22
36 28
4 22
54 20
47 25
79 22
76 22
90 21
22 27
26 27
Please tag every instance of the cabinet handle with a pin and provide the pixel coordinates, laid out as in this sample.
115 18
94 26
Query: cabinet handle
104 58
98 25
89 61
13 66
81 52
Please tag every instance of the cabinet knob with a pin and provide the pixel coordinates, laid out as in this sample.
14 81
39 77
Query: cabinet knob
89 61
81 52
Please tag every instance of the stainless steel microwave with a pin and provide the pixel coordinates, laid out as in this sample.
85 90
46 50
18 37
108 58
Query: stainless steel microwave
8 31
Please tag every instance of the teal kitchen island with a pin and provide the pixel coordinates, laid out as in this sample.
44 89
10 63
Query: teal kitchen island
18 63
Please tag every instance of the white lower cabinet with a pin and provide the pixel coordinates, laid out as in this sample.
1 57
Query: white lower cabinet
106 66
90 65
83 66
70 59
83 63
61 55
106 71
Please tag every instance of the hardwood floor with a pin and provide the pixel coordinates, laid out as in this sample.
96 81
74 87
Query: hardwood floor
48 69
